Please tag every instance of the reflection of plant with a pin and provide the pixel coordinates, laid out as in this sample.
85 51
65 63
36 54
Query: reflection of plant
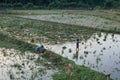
104 48
70 50
62 51
81 57
86 52
84 61
75 56
98 60
11 76
94 52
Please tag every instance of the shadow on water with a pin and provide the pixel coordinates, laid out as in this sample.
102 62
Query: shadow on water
100 52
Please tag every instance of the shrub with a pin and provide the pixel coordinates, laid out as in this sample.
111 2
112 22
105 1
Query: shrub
97 8
29 6
18 5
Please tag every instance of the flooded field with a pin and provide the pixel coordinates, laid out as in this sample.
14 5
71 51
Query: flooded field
97 50
14 66
83 20
101 52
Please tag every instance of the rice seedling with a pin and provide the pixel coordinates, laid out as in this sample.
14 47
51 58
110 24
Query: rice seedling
70 50
64 47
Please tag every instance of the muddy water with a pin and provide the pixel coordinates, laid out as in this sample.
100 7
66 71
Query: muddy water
101 52
14 66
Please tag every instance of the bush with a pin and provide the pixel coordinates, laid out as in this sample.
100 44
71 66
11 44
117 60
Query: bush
18 5
29 6
97 8
56 4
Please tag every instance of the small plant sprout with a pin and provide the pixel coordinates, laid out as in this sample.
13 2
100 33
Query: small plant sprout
64 47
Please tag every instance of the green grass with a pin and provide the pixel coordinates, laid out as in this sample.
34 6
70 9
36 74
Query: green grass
7 44
52 32
11 42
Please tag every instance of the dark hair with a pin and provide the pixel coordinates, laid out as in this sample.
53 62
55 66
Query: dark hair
42 46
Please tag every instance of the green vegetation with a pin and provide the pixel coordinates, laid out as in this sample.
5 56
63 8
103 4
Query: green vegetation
59 4
15 32
10 42
42 31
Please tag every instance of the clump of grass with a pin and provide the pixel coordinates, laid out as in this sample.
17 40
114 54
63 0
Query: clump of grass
106 22
104 48
75 56
94 52
86 52
81 57
64 47
17 66
98 60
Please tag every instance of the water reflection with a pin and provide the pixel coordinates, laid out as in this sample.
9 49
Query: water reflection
101 52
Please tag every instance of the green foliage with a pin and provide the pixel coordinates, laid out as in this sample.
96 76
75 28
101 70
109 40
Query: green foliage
18 5
58 4
97 7
16 43
28 5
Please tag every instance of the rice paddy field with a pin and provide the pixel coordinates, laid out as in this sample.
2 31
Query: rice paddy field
98 56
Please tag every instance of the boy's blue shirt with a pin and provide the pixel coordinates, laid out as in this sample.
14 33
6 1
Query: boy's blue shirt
38 48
